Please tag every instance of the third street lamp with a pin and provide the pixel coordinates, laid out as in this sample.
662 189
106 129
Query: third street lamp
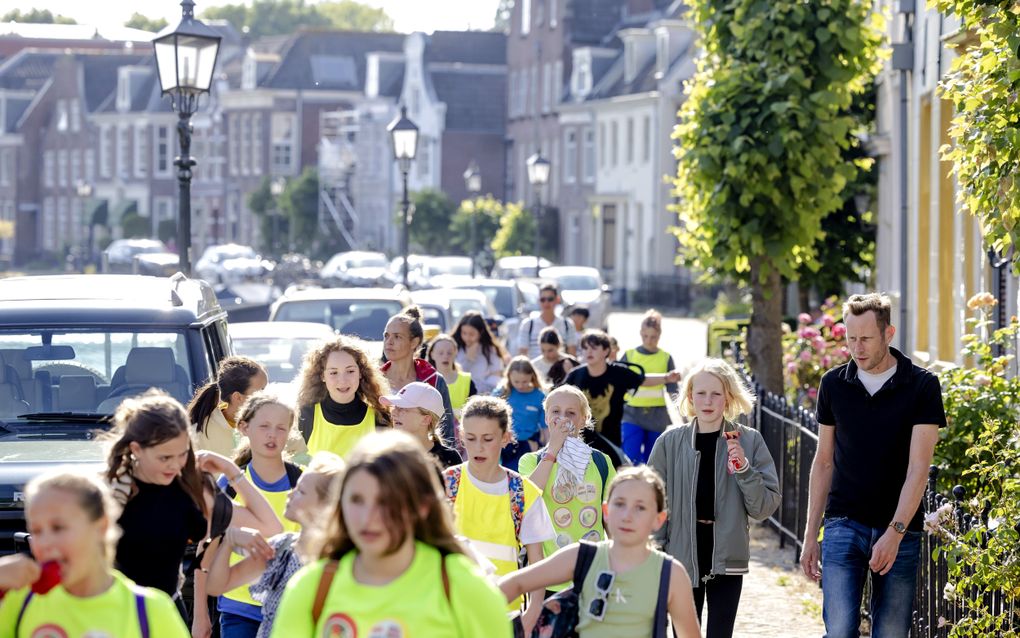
473 183
404 135
538 176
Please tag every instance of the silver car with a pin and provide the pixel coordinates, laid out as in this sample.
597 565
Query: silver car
582 286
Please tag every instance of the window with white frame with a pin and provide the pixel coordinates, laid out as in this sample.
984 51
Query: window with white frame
515 94
602 144
89 161
75 166
546 86
525 17
588 156
123 148
525 90
246 144
61 116
570 156
424 159
62 168
141 151
63 223
6 167
234 142
77 221
614 143
557 82
553 14
49 169
630 140
49 224
283 127
105 151
75 108
163 160
646 139
256 143
535 97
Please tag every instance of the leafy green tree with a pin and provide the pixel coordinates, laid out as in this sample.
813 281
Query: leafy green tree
300 203
265 207
145 23
760 144
504 11
36 16
487 212
134 226
282 17
166 230
516 234
430 225
986 128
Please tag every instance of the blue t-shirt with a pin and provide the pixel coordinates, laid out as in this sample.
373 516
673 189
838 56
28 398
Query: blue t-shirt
227 605
528 413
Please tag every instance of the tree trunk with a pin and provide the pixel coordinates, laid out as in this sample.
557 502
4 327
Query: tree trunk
804 297
764 335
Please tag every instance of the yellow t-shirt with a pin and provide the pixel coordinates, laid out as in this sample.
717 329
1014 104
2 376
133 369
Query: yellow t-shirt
111 614
411 606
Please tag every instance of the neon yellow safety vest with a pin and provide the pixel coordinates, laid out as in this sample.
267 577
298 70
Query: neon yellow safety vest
459 390
338 439
485 520
278 501
649 396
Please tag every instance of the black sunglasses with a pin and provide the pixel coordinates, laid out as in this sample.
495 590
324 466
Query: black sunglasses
547 299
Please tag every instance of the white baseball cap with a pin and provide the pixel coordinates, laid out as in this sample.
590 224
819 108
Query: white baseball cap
417 395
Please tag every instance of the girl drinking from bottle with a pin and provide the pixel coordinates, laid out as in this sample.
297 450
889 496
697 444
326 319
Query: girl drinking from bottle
391 564
718 474
68 587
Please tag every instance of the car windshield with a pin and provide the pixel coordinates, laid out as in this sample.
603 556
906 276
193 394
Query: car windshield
89 371
365 318
502 298
577 282
282 356
434 316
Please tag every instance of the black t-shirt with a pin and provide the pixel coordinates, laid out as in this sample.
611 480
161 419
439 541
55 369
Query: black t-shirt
606 394
704 495
158 523
872 448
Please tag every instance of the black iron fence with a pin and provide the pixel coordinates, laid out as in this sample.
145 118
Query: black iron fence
791 434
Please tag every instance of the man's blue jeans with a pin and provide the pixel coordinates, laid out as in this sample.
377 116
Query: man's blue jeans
846 551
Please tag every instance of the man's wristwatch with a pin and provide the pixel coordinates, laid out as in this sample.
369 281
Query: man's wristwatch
899 527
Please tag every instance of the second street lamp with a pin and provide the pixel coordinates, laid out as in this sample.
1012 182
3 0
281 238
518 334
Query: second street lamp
473 183
404 135
185 61
538 176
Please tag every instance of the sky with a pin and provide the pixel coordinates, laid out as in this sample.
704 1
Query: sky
408 15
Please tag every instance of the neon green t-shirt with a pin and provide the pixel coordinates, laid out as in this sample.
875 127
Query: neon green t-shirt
411 606
111 614
576 510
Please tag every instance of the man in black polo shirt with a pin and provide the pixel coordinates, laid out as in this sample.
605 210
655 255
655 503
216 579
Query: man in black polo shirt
878 421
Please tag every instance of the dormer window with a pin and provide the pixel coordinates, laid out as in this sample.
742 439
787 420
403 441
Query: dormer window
662 53
249 73
581 81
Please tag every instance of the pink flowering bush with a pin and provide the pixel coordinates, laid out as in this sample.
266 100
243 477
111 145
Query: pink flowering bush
817 344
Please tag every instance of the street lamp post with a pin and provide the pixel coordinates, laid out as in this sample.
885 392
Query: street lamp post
84 191
404 135
538 176
276 188
473 182
185 60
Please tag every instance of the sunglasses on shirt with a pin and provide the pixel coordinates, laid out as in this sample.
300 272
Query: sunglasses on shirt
603 584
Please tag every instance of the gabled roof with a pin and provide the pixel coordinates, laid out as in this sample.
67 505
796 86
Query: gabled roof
28 70
592 20
100 75
329 60
475 47
475 101
145 96
73 32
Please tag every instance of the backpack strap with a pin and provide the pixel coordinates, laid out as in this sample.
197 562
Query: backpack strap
143 616
325 581
603 467
662 605
585 557
446 578
21 613
452 477
294 472
516 484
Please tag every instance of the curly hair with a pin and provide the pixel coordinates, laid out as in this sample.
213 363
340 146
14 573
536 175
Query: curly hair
372 386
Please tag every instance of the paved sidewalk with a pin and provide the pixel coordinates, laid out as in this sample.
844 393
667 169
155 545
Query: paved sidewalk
777 600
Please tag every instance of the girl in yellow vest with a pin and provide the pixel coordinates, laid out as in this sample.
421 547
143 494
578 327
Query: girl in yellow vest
391 565
497 509
213 410
68 587
645 415
339 397
264 579
629 587
266 423
442 355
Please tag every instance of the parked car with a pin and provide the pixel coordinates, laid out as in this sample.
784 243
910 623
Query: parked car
119 256
360 312
415 278
519 266
157 264
439 272
582 286
72 347
444 307
231 263
356 268
508 299
280 346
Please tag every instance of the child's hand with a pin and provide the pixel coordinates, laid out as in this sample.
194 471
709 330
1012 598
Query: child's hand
216 464
559 432
18 571
248 542
736 453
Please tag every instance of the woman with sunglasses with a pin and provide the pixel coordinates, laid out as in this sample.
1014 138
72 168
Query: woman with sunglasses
620 593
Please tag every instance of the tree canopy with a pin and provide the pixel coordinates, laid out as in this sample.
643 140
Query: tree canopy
36 16
145 23
760 144
516 235
281 17
430 224
982 85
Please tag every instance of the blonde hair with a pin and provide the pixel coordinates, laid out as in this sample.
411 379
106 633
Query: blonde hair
328 468
92 495
520 364
582 400
645 475
653 320
739 399
442 338
249 409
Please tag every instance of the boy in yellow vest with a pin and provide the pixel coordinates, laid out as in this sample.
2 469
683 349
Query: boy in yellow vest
645 416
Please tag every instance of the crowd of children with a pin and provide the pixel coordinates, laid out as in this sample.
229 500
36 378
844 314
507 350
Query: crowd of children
451 495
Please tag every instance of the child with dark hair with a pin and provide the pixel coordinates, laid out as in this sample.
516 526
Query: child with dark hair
551 345
213 410
478 352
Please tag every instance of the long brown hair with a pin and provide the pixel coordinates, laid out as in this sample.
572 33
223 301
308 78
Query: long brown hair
488 343
234 375
149 420
409 493
373 384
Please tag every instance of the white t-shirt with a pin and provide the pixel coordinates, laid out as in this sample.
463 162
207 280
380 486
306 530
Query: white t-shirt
532 327
536 526
874 382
